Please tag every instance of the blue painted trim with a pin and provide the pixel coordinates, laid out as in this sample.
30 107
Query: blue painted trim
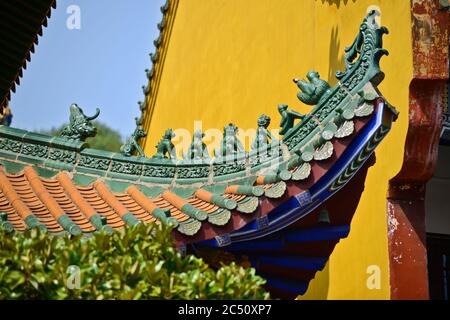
275 213
305 263
263 222
276 244
351 152
223 240
318 234
299 236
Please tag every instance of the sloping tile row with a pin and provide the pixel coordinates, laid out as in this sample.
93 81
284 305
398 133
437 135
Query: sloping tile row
58 205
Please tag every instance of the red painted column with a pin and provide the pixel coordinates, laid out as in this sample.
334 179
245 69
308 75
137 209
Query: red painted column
406 208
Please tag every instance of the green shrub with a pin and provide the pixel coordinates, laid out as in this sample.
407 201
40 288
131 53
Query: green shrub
135 263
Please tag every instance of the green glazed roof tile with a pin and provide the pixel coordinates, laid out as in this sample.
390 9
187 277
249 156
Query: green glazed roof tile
83 180
12 167
45 173
184 193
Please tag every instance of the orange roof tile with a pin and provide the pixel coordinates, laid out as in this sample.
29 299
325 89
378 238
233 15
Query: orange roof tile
49 199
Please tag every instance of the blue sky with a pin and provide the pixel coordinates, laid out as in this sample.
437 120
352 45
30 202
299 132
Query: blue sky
99 65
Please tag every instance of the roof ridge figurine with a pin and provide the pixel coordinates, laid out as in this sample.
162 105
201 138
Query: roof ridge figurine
230 144
263 135
165 149
287 118
312 91
197 150
80 126
132 144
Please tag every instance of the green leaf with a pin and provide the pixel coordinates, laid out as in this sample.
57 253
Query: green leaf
134 263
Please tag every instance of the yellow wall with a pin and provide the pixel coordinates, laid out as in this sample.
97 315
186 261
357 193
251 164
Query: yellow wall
232 60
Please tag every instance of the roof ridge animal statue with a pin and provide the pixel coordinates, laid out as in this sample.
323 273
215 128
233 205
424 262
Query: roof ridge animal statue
312 91
165 149
197 149
287 118
80 126
262 134
132 145
230 144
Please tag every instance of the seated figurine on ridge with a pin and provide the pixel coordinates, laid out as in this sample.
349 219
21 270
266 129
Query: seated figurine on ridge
132 144
197 149
287 118
313 90
230 144
262 134
165 149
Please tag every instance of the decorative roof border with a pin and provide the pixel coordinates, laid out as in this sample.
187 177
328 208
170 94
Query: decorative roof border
367 49
65 154
309 140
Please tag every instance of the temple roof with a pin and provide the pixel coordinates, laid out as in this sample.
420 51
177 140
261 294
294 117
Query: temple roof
70 187
21 24
63 182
